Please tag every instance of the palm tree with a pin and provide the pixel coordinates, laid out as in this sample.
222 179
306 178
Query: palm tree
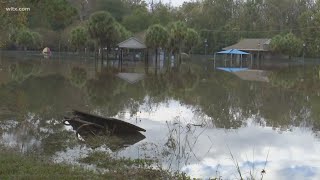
156 37
192 40
178 32
103 28
78 37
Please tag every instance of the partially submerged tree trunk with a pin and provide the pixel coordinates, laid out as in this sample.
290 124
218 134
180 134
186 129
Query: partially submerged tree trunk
179 56
147 61
169 59
119 57
156 63
107 56
101 52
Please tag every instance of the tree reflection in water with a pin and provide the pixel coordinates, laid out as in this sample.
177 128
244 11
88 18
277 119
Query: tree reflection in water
78 76
220 99
23 70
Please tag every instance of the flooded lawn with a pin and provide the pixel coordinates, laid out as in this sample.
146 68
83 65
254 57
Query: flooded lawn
199 121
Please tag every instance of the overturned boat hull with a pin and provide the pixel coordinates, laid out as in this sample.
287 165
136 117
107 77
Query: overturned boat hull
113 132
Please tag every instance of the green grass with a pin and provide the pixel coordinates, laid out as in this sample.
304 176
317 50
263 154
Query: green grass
16 166
122 168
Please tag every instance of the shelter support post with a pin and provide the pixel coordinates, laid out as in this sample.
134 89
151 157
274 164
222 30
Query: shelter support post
214 61
121 57
231 61
225 61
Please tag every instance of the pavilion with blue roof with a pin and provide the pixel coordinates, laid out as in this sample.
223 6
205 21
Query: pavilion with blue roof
232 52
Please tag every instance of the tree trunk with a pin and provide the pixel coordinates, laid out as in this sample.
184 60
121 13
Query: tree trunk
146 61
118 54
82 11
107 57
169 60
164 57
156 64
179 56
95 52
101 52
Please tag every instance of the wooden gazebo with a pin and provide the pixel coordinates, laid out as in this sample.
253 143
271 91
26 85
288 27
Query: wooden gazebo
131 43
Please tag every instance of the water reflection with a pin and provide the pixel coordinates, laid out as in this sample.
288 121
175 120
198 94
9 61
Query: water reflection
78 76
22 136
23 70
193 117
114 143
251 146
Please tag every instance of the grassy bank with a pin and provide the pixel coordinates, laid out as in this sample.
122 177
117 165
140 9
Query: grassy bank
16 166
122 168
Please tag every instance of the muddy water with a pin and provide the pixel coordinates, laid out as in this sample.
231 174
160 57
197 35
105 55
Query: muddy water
198 121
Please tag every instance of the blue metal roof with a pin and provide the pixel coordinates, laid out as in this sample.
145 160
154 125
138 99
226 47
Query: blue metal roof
233 51
232 69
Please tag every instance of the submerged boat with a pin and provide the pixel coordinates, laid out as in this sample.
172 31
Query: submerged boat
110 131
113 126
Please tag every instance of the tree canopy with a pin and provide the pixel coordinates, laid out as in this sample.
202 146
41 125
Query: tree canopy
219 22
156 36
79 37
288 44
192 39
102 28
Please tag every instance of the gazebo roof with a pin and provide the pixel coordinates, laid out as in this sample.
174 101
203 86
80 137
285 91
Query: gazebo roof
132 43
233 51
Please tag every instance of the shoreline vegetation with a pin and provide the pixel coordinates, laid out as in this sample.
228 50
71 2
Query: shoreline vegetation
30 166
201 27
15 165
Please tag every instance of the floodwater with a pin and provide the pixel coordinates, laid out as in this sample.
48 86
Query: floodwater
197 120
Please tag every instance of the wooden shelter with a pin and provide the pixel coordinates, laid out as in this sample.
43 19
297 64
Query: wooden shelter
257 47
134 43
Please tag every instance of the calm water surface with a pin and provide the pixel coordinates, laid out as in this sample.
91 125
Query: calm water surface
198 120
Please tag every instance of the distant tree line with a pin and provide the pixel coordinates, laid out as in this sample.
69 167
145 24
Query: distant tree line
218 22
